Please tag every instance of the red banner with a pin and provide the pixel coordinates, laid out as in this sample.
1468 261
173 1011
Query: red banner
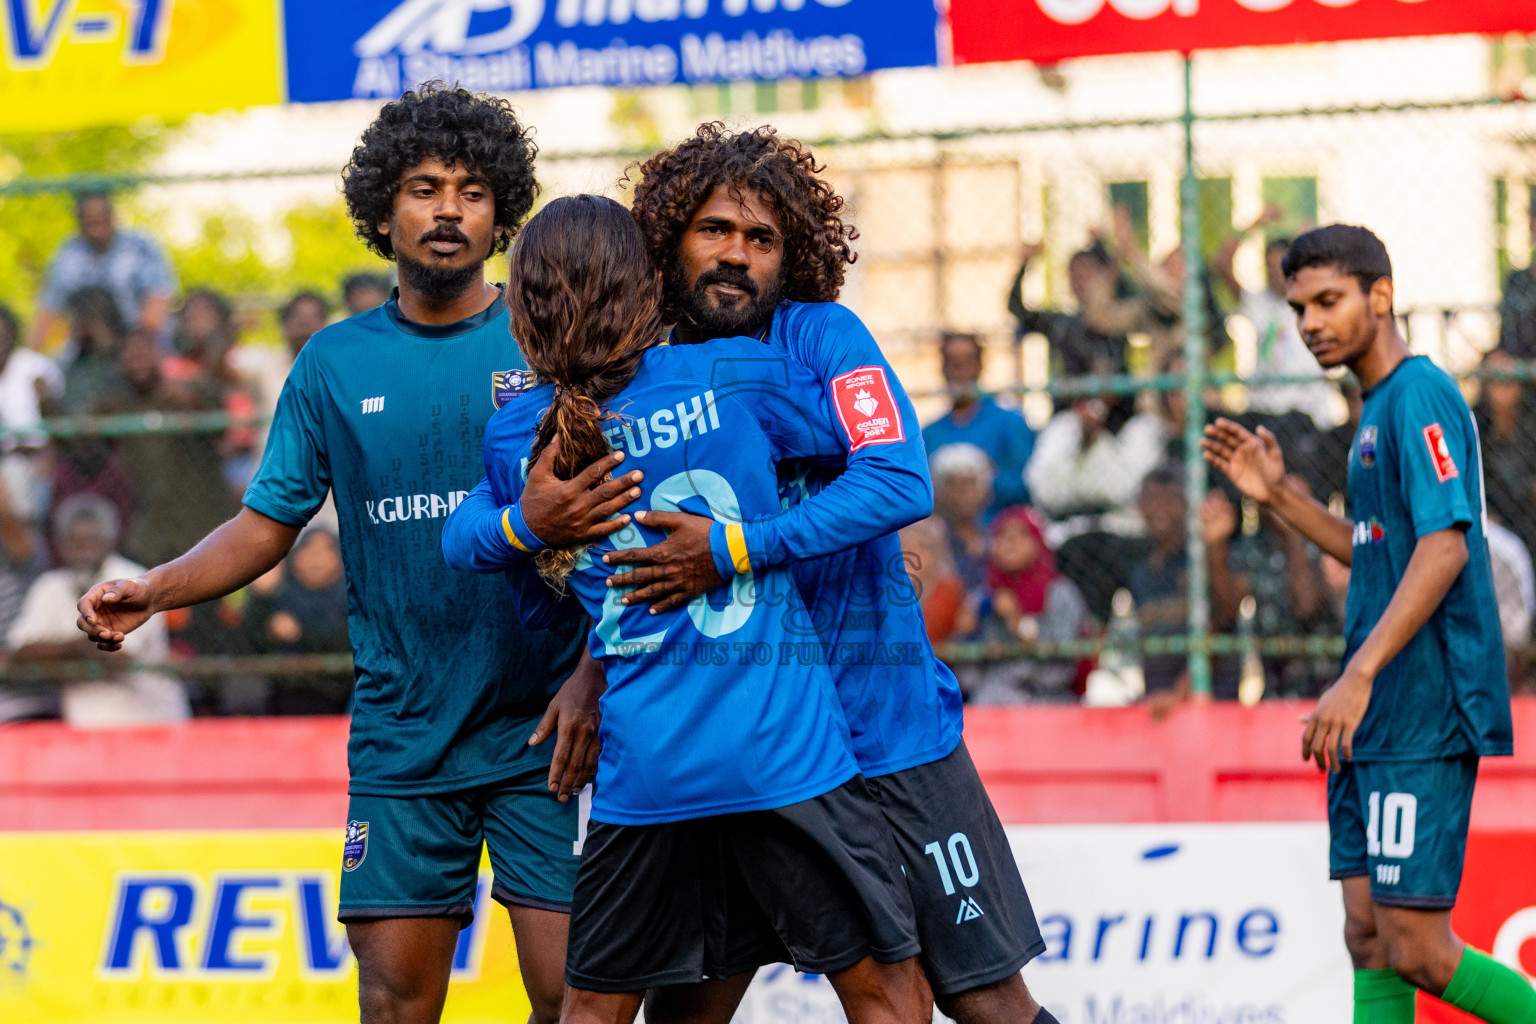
1049 30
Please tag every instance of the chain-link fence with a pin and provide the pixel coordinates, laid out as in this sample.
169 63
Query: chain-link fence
1026 233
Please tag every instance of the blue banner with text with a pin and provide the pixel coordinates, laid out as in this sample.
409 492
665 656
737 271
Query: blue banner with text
361 49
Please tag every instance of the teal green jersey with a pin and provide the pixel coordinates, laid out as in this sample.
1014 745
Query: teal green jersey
391 415
1415 469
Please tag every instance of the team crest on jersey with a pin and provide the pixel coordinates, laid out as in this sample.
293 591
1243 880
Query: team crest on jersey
508 384
1368 445
356 846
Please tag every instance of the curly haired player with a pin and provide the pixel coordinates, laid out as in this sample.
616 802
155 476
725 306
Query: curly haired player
752 241
387 410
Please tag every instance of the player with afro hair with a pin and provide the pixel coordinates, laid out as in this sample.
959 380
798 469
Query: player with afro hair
478 133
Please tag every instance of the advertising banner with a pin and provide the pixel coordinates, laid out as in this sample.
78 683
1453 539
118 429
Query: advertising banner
74 63
1050 30
1174 924
165 927
368 49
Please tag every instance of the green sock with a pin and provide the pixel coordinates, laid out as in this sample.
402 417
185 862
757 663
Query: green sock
1381 997
1490 991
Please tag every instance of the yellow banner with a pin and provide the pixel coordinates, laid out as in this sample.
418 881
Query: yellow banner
75 63
166 927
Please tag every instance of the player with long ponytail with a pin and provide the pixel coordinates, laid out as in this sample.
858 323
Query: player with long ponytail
585 302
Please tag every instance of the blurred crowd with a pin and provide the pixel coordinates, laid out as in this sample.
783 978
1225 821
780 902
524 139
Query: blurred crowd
99 503
1076 532
1079 531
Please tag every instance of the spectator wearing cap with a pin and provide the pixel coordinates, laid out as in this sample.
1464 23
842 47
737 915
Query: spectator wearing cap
85 533
129 266
978 419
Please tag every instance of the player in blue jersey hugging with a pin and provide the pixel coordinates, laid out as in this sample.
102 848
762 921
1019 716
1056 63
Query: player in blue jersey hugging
731 827
387 410
752 241
1422 695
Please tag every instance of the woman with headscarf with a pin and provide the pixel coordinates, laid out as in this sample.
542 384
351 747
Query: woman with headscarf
1027 599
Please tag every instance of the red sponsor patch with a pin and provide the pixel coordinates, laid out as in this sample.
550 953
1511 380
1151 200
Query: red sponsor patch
866 407
1440 453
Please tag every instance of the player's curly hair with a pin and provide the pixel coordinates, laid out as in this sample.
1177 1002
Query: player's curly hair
456 126
672 185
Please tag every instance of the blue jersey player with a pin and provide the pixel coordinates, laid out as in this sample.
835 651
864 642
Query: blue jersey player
753 243
1422 694
386 411
729 826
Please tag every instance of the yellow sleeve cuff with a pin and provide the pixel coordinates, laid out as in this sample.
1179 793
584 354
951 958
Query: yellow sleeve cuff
736 544
506 528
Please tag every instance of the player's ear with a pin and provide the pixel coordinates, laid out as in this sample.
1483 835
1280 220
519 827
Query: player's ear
1381 297
384 227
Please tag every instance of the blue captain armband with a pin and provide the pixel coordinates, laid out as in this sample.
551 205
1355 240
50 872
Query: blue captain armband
516 530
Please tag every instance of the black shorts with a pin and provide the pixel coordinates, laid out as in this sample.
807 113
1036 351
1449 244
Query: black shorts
973 915
817 884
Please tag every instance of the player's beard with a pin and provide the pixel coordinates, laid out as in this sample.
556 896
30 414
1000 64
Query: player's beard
715 321
437 284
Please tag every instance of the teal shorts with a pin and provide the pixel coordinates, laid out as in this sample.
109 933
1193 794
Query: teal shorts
419 856
1403 825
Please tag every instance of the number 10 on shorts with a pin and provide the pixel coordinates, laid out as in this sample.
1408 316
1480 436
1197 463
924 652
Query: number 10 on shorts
1390 825
961 856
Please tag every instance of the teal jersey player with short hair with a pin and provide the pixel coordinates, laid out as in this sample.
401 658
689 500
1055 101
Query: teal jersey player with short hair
1415 468
1422 694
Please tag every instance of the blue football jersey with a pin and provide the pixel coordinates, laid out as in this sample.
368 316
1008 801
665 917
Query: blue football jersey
900 716
390 415
1415 469
703 714
903 704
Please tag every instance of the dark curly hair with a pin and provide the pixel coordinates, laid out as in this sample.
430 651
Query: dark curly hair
479 133
673 184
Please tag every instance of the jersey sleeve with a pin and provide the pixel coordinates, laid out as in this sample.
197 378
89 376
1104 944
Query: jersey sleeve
886 484
1434 439
480 536
295 473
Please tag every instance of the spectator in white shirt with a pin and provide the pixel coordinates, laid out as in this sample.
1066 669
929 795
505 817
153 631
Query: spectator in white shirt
27 378
85 532
1085 475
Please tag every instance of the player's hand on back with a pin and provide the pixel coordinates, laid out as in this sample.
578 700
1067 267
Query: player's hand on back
1253 462
111 610
670 574
579 511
